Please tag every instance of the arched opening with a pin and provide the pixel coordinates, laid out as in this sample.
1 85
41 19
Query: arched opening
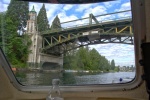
50 66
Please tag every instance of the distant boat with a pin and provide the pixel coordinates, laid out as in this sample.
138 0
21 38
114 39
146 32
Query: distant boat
122 80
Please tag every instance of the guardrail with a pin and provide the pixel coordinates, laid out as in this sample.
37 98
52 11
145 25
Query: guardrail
115 19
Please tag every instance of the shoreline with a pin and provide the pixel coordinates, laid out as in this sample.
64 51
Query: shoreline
57 70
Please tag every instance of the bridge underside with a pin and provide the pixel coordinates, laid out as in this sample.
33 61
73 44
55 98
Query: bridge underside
71 44
50 66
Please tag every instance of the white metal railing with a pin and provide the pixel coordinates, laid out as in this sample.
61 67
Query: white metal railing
107 20
86 24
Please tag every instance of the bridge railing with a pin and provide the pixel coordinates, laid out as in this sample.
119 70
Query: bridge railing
100 19
87 24
115 19
108 16
100 22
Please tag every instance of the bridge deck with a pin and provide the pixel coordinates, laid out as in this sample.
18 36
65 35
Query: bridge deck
60 40
85 28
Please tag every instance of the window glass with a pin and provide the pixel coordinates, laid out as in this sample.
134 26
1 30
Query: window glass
80 44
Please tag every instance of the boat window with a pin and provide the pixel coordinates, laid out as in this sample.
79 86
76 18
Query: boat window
79 44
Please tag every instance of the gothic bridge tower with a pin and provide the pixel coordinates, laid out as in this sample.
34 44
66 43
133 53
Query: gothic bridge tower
32 32
32 22
36 59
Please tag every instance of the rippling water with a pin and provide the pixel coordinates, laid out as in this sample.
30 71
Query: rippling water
73 78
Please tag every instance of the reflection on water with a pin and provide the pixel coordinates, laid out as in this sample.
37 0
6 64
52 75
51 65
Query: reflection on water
73 78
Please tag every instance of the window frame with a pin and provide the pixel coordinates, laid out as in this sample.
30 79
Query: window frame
137 13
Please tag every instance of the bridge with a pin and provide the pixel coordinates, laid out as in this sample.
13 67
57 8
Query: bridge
96 31
48 46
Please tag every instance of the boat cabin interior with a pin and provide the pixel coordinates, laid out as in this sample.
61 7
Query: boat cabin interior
75 49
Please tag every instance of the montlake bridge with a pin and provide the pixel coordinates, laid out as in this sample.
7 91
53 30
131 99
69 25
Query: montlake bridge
95 31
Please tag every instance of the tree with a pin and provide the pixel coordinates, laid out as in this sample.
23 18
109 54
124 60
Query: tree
56 23
18 12
117 69
2 15
112 64
42 20
104 64
86 59
94 60
16 19
83 58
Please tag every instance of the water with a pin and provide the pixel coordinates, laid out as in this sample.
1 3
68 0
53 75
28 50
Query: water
73 78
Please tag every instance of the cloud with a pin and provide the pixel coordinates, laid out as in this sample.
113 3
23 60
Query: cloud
6 1
64 18
123 54
97 10
51 13
112 3
125 6
3 6
67 7
108 4
81 8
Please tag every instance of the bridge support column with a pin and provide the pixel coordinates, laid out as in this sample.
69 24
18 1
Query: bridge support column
50 61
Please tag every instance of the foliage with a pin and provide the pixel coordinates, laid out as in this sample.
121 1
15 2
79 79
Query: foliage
86 59
16 46
1 28
18 12
112 65
117 69
42 20
56 23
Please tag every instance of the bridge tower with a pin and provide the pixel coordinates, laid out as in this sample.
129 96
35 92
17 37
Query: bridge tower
32 32
32 22
37 58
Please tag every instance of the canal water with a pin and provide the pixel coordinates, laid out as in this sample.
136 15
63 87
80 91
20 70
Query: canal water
73 78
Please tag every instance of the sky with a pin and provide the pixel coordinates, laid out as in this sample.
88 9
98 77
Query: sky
122 54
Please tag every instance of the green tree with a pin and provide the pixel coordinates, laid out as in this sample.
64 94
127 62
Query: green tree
117 69
18 12
112 64
94 60
104 64
16 19
85 59
56 23
42 20
2 23
81 58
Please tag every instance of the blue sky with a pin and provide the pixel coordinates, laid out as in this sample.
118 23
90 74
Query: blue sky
121 53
